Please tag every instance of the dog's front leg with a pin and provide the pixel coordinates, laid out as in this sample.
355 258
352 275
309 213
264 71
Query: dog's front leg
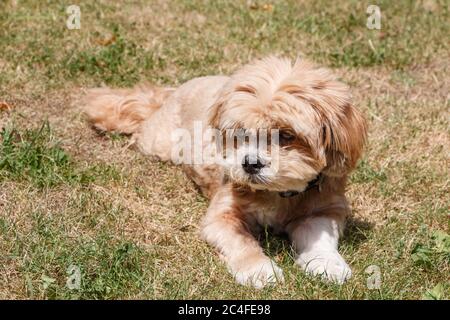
224 228
316 241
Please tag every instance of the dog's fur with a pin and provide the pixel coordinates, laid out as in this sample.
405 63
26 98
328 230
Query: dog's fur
327 135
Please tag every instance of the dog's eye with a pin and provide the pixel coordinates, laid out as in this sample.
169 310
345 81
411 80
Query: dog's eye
286 137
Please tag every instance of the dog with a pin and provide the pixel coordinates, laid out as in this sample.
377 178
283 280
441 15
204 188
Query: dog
321 136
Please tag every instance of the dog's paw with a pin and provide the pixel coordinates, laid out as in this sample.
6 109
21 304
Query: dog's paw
259 274
329 264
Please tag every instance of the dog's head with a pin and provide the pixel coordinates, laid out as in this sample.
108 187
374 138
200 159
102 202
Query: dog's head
307 116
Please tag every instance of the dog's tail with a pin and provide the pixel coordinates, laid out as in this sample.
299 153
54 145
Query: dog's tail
123 110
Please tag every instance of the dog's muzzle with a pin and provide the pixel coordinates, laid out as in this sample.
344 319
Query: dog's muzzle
252 166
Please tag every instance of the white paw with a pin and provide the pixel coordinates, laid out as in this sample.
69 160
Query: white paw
260 274
328 264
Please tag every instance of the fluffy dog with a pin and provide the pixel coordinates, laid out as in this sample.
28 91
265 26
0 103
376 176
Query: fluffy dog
320 138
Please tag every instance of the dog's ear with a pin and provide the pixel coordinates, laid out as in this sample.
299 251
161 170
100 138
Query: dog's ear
344 137
215 110
343 126
213 114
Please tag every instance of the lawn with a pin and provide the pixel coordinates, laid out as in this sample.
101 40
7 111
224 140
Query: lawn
82 216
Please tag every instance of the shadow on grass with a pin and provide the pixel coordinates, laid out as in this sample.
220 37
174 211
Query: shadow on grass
356 231
276 244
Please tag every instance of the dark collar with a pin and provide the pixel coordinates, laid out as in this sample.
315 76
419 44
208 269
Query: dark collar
312 184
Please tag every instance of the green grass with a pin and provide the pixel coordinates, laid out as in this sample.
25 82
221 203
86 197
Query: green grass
35 156
334 35
71 197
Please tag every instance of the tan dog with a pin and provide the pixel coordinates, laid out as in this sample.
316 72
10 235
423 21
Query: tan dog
321 136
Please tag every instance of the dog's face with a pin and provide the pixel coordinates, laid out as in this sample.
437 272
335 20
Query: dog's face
287 124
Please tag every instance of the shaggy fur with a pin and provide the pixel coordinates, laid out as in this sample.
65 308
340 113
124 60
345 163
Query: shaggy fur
325 133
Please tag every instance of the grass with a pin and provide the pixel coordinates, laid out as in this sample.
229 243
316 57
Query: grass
69 197
36 157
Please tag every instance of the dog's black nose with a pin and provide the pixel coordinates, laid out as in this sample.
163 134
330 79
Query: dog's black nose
251 166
